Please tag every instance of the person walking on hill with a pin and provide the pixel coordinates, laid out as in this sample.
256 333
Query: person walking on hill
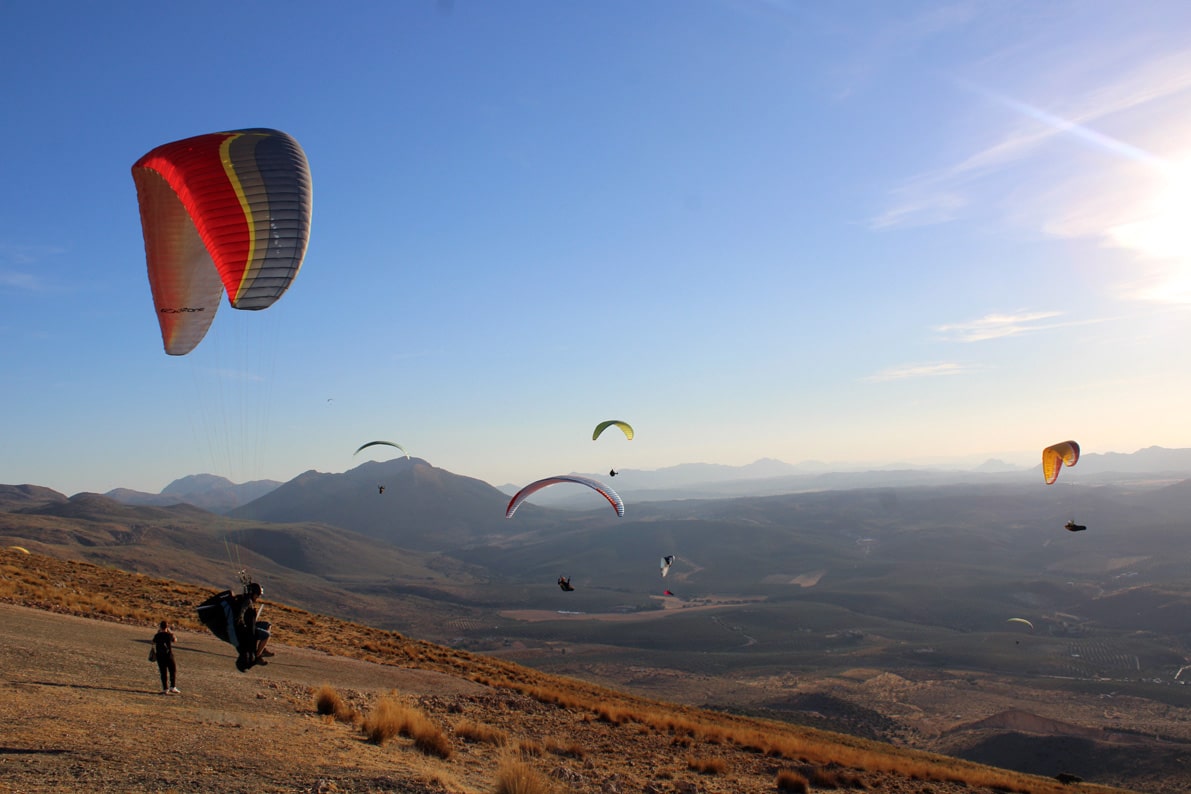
163 654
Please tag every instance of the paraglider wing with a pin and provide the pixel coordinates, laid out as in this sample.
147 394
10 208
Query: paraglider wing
1021 620
382 443
21 549
667 593
216 614
1054 456
667 561
625 427
224 211
609 494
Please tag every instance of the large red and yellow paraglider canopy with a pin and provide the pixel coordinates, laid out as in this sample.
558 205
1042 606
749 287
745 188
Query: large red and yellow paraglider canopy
224 211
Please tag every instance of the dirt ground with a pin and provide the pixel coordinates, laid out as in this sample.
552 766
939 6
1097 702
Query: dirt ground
83 710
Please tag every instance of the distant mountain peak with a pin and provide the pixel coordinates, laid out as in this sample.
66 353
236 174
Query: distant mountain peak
207 491
996 465
196 482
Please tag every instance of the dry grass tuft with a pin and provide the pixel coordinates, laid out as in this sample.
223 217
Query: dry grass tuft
327 701
515 776
473 731
390 718
568 749
789 780
712 765
828 778
384 722
427 736
530 748
613 714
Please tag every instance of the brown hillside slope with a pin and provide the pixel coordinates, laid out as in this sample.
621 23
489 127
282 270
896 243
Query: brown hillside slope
82 712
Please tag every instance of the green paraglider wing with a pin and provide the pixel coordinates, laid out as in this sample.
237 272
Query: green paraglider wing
625 427
382 443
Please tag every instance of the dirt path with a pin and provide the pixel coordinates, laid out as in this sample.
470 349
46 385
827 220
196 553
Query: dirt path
670 606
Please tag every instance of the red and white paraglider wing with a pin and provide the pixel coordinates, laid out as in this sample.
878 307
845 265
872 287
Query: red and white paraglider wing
609 494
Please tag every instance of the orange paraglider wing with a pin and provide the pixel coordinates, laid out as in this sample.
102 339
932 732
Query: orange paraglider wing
1054 456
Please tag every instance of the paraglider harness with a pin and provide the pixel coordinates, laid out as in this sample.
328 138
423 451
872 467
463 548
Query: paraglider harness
565 583
233 619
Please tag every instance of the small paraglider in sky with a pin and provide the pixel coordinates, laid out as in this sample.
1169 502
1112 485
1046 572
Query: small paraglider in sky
380 488
564 583
667 592
383 443
1071 526
625 428
1022 621
1054 456
667 561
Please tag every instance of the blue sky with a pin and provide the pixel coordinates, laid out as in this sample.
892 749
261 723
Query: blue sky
852 232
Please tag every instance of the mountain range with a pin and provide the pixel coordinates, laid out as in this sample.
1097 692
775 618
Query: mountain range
695 480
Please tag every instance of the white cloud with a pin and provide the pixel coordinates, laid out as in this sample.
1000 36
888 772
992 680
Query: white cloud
17 260
909 371
997 326
18 280
920 205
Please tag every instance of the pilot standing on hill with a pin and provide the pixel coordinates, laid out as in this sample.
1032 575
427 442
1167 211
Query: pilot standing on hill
252 635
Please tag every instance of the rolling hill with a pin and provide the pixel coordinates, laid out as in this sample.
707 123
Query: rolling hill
346 708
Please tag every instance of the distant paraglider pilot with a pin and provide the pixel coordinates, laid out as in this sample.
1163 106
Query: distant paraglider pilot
564 582
1071 526
611 472
380 488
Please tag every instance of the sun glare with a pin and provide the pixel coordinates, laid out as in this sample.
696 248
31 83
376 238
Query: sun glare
1162 232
